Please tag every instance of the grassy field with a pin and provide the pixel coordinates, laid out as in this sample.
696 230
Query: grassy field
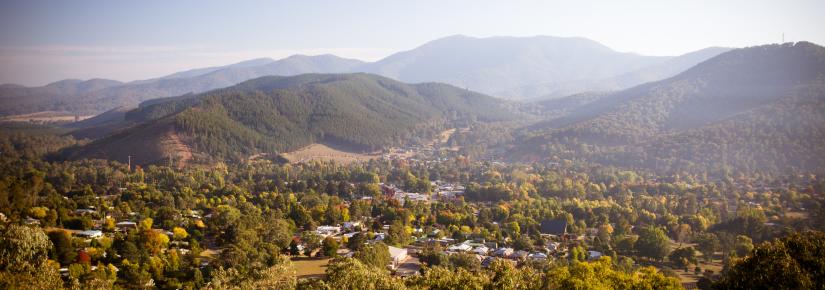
690 276
45 117
326 153
310 267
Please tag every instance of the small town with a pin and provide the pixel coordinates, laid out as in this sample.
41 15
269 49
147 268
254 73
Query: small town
412 145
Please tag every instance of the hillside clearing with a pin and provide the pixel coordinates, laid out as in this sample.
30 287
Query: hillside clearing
323 152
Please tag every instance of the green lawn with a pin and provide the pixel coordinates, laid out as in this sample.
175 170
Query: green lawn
310 267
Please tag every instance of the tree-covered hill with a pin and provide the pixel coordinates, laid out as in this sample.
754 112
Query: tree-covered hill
274 114
758 108
94 96
55 96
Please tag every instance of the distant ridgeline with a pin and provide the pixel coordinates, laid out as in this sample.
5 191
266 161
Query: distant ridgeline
275 114
750 110
509 67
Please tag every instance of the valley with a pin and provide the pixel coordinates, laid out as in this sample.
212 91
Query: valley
462 162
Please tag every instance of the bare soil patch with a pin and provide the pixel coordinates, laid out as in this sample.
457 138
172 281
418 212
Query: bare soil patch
178 151
323 152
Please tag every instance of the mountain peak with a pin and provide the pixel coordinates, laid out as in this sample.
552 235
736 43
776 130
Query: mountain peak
253 62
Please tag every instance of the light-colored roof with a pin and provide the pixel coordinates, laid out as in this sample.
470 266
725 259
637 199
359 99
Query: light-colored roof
91 233
397 252
460 247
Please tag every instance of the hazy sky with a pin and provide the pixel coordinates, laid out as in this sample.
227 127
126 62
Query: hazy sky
44 41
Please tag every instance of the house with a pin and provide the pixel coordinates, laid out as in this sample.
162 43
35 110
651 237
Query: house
326 231
411 196
126 224
93 234
463 247
350 226
594 255
85 211
481 250
398 256
519 255
553 246
537 256
445 241
554 228
503 252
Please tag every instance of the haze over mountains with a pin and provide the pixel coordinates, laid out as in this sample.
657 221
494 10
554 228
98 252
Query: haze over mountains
507 67
754 109
529 67
757 108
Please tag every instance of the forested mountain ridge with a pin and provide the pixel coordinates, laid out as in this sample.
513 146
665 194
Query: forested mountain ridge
16 99
274 114
115 94
666 69
756 101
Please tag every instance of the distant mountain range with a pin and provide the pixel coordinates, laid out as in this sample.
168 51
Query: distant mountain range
754 109
530 67
192 81
507 67
275 114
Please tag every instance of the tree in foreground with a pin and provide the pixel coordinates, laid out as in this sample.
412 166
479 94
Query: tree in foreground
352 274
23 259
375 255
437 278
793 262
601 275
279 276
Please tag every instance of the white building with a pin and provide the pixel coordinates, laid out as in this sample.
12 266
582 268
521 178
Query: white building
326 231
93 234
503 252
481 250
460 248
537 256
398 256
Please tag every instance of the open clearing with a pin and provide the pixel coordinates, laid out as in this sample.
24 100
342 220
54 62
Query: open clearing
178 150
45 117
323 152
310 267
